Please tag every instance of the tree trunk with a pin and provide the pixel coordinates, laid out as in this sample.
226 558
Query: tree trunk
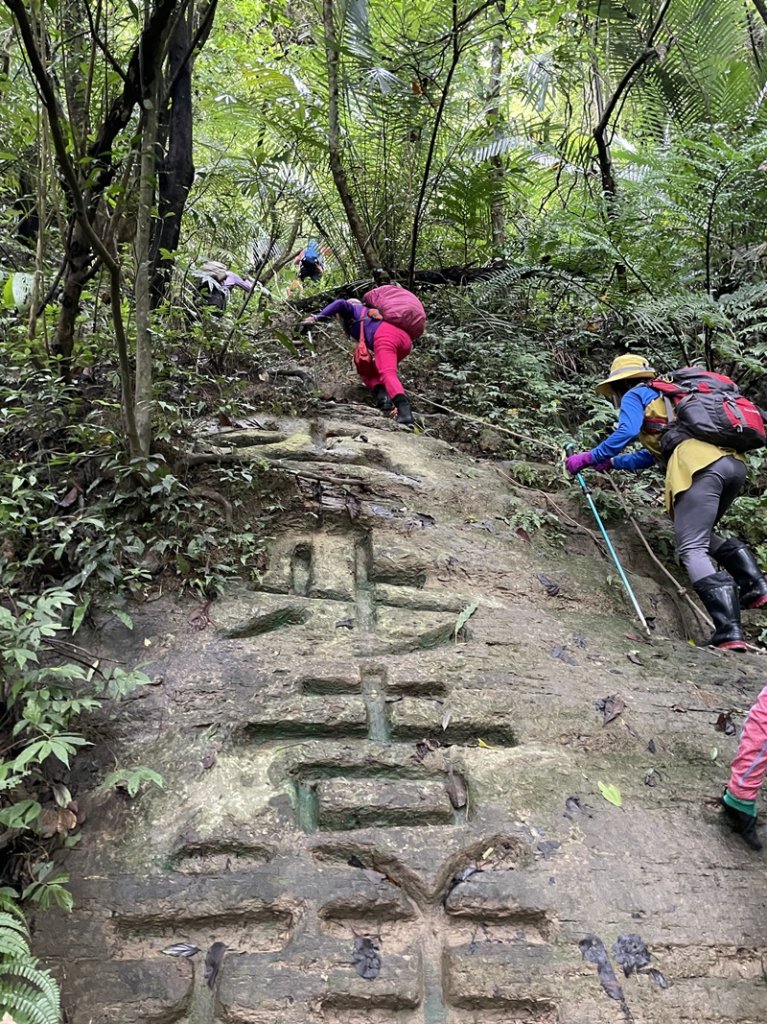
137 83
761 6
177 171
497 218
358 229
143 388
56 121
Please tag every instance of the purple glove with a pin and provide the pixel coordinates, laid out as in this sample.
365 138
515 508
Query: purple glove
603 466
575 463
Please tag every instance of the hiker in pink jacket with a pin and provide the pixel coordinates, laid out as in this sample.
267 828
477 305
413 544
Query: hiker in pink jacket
381 347
747 774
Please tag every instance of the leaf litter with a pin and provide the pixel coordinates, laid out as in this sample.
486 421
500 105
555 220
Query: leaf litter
557 651
610 707
461 876
631 953
463 618
725 724
213 961
185 949
593 951
611 793
456 789
573 807
551 588
366 956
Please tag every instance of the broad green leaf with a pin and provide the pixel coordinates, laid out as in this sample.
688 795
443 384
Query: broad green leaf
464 617
611 793
20 815
79 614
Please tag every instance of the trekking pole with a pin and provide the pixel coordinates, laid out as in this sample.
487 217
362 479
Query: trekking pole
587 495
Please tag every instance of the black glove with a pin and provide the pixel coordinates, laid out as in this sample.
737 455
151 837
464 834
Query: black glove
404 414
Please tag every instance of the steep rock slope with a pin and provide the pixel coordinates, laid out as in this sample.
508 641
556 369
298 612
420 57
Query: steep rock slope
383 774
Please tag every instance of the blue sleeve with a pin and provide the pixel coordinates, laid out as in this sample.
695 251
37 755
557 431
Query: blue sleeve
635 460
630 421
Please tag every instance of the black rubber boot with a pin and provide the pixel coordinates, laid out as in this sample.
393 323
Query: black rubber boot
744 824
739 561
383 402
404 412
720 597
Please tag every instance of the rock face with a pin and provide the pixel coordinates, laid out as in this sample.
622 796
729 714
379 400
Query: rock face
382 777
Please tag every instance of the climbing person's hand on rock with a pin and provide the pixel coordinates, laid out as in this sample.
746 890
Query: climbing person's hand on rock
306 325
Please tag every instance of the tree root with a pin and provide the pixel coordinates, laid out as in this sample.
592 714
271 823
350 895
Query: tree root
208 492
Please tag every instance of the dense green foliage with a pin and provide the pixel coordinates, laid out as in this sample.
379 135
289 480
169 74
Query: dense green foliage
603 161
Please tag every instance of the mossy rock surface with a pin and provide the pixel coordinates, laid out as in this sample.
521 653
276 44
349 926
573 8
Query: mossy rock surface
342 760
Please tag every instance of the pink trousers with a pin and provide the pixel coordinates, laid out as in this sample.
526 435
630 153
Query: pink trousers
750 762
390 346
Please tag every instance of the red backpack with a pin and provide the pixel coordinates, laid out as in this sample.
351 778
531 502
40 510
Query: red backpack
708 406
397 306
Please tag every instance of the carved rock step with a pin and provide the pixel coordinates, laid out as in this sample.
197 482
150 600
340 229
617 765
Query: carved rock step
262 988
361 803
131 992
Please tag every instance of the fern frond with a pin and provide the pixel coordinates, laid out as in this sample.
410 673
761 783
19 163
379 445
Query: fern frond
27 1003
12 921
13 945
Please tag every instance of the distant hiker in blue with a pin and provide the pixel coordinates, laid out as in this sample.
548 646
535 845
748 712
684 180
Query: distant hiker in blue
310 262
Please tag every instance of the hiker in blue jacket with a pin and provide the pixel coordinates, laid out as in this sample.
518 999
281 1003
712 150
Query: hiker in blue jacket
702 481
310 262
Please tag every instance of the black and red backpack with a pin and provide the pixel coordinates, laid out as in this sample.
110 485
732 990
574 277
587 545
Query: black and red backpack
708 406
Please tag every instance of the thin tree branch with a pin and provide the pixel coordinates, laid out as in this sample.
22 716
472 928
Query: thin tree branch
199 40
53 108
101 44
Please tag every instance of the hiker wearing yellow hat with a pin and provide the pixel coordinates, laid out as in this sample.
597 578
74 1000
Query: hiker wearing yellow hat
703 478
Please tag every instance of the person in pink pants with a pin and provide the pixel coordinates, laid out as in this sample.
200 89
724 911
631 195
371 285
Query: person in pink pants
747 774
379 368
381 347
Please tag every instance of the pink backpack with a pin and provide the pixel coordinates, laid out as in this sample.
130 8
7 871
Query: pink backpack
398 306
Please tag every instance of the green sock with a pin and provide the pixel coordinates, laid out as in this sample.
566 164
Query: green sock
746 806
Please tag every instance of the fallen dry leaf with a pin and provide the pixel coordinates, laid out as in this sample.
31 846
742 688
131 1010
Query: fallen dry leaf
456 789
725 724
610 707
56 821
213 961
551 588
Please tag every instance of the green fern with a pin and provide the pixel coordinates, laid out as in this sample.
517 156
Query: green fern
30 995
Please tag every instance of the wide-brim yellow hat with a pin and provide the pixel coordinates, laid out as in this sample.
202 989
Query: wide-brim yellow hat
623 368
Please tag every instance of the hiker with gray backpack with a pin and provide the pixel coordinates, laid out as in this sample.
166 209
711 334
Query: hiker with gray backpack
384 325
215 282
697 425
